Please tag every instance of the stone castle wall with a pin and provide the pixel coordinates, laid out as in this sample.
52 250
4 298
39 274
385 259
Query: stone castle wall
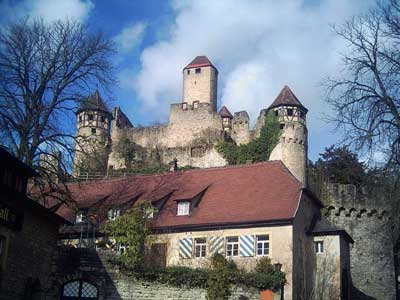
372 264
189 137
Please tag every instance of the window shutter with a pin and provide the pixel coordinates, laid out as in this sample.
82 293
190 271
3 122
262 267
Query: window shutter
186 248
216 245
246 244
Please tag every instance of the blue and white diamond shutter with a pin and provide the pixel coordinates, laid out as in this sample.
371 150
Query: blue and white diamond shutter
186 248
246 245
215 245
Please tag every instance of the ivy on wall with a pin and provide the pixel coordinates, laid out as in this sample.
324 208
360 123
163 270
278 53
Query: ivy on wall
131 230
258 149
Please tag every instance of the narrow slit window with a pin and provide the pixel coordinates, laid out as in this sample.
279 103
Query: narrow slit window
319 247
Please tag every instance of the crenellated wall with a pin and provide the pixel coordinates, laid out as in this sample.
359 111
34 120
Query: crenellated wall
369 223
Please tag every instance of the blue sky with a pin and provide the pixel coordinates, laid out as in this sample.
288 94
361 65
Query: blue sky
258 47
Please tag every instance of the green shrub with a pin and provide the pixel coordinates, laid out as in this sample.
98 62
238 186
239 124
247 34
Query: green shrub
258 149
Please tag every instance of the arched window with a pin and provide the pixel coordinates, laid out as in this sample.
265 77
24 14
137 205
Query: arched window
79 290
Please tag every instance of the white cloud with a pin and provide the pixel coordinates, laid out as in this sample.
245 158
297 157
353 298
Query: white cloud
49 10
52 10
258 46
130 37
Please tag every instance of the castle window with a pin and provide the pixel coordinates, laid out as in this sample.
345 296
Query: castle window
276 113
262 245
319 246
183 208
198 70
80 119
281 126
197 151
188 72
184 106
232 246
93 130
90 117
290 112
200 247
103 119
195 104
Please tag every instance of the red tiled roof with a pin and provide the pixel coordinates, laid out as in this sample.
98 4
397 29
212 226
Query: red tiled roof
258 192
225 113
199 61
286 97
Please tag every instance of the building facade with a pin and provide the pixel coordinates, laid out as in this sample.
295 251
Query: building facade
242 212
28 234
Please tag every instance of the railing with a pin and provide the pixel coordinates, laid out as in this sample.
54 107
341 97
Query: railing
103 175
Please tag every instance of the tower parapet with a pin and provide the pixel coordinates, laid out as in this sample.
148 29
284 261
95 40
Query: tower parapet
292 146
93 135
200 80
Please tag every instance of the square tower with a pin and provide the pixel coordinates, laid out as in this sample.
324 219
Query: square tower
200 82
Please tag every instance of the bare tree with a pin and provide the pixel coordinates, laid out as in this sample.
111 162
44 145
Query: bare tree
46 69
366 98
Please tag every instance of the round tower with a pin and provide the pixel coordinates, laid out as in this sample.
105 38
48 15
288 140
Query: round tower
200 80
292 146
93 137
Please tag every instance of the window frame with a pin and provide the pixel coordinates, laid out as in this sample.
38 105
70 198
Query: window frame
81 215
180 212
197 71
263 243
232 244
319 247
93 130
202 249
113 213
90 117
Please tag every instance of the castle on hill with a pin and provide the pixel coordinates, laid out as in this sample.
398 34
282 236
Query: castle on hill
194 127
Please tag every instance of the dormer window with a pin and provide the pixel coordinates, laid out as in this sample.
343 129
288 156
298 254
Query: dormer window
198 70
81 216
183 208
113 213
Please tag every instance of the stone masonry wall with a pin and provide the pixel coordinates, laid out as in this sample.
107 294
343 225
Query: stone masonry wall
200 86
97 268
27 250
371 255
187 130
